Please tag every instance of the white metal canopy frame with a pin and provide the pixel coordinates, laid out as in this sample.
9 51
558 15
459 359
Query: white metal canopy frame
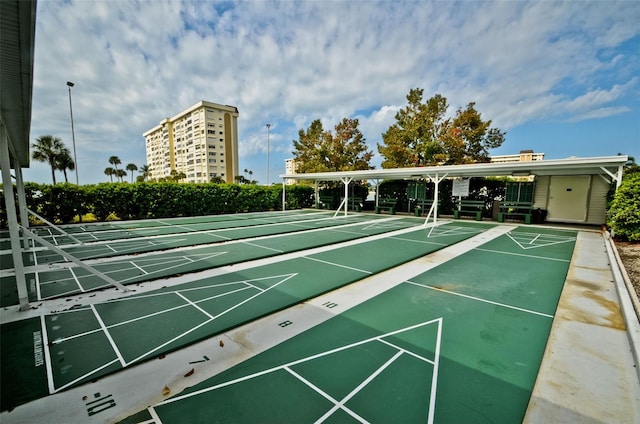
608 167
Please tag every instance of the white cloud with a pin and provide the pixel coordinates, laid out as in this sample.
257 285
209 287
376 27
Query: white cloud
600 113
288 63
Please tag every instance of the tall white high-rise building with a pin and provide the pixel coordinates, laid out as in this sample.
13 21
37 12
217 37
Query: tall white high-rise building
201 142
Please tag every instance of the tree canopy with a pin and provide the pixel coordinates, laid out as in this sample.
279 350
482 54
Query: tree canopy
422 134
52 150
318 150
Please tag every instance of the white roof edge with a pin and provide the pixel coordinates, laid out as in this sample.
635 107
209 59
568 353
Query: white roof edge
570 166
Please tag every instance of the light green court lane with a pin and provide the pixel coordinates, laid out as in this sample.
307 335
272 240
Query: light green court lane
415 353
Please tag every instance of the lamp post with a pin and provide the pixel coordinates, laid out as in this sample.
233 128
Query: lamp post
268 127
73 135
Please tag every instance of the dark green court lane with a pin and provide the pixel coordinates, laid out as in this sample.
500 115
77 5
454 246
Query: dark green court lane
68 281
118 230
212 311
146 240
495 320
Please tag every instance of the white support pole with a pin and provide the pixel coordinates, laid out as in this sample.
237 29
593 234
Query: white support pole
346 182
22 205
316 194
436 195
377 191
284 197
75 260
12 220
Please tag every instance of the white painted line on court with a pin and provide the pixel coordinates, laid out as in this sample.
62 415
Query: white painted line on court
337 404
75 278
434 377
71 383
361 386
154 415
155 349
479 299
136 265
194 305
302 360
264 247
47 355
336 264
501 252
108 336
176 266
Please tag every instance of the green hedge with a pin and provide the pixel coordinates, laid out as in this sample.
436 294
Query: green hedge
624 212
62 203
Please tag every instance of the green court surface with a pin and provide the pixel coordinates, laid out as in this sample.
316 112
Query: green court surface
144 228
69 280
147 239
84 343
460 343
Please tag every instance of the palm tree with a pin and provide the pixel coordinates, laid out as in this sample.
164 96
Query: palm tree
144 170
131 167
115 161
64 162
121 173
110 172
46 149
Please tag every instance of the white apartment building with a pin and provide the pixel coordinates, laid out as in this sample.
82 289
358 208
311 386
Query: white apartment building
201 142
523 156
290 167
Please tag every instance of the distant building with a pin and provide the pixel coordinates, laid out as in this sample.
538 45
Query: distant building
290 167
523 156
201 142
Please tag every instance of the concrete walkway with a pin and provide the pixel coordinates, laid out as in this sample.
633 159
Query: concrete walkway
590 371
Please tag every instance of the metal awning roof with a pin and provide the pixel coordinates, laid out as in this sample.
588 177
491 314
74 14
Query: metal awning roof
609 165
17 37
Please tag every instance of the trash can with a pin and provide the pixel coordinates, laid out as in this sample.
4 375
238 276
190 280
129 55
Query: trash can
495 209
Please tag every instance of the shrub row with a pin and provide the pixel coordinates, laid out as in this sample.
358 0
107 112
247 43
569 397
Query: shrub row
62 203
623 217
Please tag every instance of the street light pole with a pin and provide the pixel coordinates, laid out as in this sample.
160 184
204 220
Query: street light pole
268 127
73 135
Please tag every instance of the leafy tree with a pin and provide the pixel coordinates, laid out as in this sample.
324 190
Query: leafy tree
176 176
110 172
115 161
64 162
467 138
318 150
423 136
47 148
131 167
144 169
121 173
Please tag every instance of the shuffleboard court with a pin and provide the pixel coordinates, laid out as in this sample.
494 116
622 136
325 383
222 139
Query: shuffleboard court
88 233
166 237
418 352
86 342
68 280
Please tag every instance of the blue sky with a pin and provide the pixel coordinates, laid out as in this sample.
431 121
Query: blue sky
561 78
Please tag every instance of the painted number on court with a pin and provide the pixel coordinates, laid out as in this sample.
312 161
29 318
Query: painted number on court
330 304
285 323
100 404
